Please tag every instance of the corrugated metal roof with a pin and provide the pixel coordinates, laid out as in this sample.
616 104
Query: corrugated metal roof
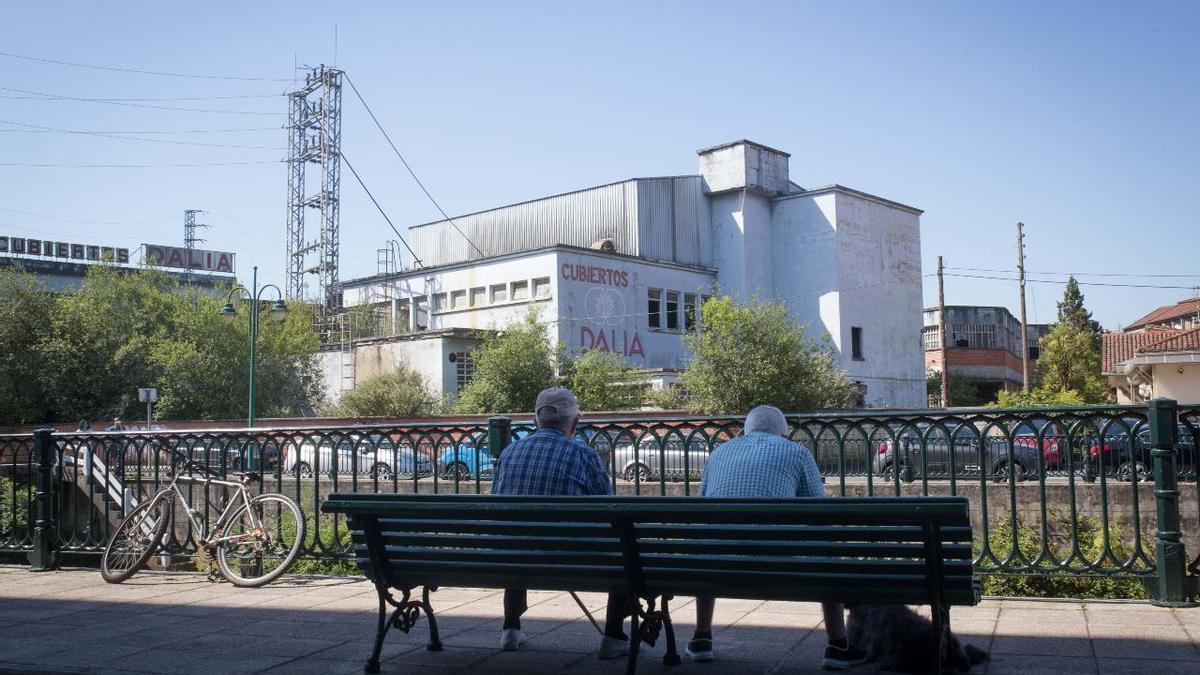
656 218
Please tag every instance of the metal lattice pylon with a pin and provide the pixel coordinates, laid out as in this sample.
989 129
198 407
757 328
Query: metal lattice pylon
314 138
189 235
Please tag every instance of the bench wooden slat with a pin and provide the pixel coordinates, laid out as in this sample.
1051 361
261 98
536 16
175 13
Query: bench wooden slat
881 533
392 538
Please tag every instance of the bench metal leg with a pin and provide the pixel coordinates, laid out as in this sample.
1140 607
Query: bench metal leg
671 658
405 615
635 632
941 637
435 643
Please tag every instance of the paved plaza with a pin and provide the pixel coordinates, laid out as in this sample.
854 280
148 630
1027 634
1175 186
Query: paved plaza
71 622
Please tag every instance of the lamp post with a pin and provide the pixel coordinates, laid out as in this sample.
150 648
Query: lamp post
253 295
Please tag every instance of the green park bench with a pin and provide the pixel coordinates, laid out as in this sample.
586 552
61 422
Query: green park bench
908 550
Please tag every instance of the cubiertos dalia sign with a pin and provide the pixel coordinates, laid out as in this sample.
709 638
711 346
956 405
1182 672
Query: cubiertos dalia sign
62 249
160 256
195 259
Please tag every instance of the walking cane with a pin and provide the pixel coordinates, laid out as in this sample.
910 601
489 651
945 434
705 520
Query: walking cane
586 612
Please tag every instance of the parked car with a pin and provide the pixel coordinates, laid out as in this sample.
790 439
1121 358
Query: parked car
465 461
654 461
925 451
1045 434
1115 456
371 455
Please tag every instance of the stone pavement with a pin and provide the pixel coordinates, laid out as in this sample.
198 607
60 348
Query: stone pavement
71 622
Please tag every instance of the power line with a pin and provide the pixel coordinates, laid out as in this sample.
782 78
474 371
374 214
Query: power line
101 134
409 168
381 211
157 131
144 72
23 165
40 97
50 97
87 222
1081 274
1081 283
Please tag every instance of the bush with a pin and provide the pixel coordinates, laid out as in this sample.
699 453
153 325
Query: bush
1090 532
400 393
327 542
15 499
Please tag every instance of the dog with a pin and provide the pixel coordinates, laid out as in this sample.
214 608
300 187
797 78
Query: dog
900 639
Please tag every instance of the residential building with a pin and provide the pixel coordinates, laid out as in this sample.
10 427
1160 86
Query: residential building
984 348
625 267
1156 356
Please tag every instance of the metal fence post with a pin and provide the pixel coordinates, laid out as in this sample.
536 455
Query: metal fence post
42 557
1174 588
499 436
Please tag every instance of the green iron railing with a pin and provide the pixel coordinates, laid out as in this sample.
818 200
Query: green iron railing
1093 490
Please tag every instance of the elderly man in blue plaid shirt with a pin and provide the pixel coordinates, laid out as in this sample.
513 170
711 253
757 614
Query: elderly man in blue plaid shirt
550 462
763 462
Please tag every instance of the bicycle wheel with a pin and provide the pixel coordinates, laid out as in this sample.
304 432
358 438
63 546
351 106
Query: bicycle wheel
136 539
261 541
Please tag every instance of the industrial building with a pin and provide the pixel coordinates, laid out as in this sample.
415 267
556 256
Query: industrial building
984 348
625 266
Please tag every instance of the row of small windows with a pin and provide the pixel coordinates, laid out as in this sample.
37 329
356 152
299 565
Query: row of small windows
663 309
481 296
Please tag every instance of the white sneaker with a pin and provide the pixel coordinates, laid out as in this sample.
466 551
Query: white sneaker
613 648
511 639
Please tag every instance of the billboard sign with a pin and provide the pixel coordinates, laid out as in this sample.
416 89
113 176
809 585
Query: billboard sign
62 249
195 259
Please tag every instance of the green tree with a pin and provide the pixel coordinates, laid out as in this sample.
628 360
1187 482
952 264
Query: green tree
962 391
745 355
1037 398
400 393
603 380
1072 312
511 367
125 330
24 321
1070 361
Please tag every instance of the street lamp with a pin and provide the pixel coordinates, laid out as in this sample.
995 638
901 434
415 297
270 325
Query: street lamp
253 295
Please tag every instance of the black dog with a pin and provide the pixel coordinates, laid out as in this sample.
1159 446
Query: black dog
900 639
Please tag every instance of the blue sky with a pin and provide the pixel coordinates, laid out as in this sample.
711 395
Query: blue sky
1076 118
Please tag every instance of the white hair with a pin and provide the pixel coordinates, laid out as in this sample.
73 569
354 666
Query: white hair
766 418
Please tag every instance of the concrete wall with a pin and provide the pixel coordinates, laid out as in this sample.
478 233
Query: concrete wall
805 262
602 304
1183 387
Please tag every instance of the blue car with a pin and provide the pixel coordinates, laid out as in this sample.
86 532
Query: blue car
465 462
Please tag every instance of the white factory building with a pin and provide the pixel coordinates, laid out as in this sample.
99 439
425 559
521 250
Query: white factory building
624 266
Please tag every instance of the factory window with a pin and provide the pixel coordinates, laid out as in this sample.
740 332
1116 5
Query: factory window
689 311
478 297
520 290
421 309
672 310
654 307
439 302
500 293
541 287
458 299
856 350
931 338
464 369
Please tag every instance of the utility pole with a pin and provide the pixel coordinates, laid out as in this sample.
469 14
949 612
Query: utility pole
942 336
1024 330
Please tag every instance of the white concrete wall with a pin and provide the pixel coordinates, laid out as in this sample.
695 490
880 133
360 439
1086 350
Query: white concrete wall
805 263
1183 387
602 304
879 281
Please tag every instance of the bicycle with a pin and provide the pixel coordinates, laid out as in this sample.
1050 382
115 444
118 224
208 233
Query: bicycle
250 539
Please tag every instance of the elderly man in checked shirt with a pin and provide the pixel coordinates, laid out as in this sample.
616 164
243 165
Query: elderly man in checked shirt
550 462
763 462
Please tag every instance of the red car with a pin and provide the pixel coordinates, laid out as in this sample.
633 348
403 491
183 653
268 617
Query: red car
1044 432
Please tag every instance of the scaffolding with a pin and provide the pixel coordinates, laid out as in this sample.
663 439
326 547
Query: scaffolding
314 140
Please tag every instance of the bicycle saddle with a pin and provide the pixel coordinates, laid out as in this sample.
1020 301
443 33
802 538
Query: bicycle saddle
250 477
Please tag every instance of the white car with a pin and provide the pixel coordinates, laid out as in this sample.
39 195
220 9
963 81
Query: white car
355 454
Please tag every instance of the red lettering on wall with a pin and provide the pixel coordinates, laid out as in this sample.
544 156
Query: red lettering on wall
603 276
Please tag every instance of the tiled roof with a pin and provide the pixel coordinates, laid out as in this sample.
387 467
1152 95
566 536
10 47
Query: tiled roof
1184 341
1167 313
1118 347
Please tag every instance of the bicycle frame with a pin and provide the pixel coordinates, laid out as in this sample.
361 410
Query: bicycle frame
221 523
